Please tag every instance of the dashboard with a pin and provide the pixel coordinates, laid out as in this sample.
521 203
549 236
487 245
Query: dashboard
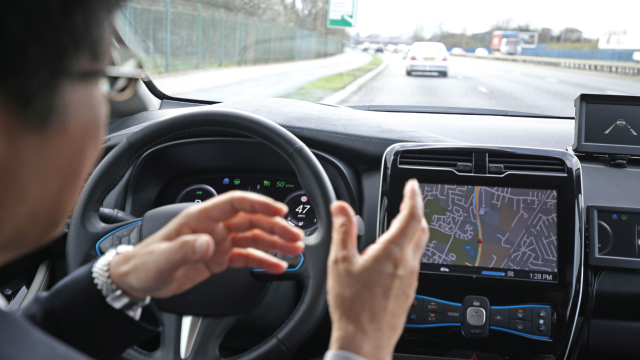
534 243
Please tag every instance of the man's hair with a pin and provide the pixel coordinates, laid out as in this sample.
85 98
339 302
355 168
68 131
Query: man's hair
41 42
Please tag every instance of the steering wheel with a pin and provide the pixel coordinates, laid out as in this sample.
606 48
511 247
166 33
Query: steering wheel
220 300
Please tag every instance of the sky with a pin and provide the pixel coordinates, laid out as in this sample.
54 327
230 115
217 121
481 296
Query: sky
400 17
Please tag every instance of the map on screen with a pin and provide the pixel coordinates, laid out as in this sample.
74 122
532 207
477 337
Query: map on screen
497 227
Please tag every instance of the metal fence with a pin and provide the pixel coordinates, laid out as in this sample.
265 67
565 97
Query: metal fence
181 36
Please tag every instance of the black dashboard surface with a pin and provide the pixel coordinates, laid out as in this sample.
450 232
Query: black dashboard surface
359 139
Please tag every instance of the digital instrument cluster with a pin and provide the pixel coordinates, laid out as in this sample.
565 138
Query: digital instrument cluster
284 189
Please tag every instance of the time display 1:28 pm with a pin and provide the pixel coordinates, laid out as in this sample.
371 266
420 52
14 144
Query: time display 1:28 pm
538 276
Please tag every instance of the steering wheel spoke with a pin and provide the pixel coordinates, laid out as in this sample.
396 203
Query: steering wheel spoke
202 335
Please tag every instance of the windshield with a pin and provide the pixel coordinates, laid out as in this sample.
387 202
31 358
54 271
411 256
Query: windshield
374 52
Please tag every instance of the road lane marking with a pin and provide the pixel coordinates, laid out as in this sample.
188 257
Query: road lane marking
551 80
482 89
614 93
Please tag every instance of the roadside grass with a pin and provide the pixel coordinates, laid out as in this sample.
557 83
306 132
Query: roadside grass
323 87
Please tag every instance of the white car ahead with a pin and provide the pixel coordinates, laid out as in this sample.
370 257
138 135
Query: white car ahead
431 57
482 52
457 51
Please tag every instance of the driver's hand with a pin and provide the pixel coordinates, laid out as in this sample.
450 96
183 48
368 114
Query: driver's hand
370 294
205 239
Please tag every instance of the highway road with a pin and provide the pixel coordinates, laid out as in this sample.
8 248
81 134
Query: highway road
491 84
246 82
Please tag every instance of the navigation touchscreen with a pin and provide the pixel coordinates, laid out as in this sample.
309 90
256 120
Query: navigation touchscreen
491 231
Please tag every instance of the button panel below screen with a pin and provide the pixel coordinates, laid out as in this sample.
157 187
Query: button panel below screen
526 320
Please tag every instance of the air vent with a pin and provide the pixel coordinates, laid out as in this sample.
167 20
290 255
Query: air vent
459 161
502 163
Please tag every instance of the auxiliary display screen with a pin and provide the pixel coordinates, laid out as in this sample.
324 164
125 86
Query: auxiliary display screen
612 124
491 231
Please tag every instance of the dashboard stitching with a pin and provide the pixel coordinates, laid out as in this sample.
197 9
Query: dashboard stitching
345 136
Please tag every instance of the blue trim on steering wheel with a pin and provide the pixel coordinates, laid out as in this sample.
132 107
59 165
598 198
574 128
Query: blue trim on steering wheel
113 232
294 269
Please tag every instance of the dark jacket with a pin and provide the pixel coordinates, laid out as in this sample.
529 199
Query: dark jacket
72 321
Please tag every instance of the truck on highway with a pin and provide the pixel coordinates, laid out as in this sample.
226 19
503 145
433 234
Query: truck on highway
497 36
510 46
526 39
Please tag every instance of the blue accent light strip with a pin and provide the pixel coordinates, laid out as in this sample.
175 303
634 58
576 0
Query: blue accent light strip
294 269
113 232
519 306
520 333
493 273
431 325
434 299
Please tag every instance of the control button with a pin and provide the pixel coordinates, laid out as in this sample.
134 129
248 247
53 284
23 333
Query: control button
106 244
521 313
499 317
413 318
476 316
293 261
125 232
521 326
475 310
124 240
541 324
134 238
416 305
476 332
452 313
431 318
432 306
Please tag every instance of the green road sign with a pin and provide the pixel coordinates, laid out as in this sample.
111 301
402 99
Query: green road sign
342 13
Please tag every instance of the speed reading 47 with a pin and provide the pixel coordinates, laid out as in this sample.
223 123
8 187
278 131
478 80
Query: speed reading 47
303 208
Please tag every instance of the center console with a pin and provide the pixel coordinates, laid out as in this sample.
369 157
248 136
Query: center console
501 275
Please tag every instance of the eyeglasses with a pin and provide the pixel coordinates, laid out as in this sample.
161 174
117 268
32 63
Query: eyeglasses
117 83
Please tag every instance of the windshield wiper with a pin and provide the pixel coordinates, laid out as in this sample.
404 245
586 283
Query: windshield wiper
452 110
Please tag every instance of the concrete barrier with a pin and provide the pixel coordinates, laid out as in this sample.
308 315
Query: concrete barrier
616 67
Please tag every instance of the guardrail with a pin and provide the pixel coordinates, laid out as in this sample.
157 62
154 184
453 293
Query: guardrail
598 55
589 65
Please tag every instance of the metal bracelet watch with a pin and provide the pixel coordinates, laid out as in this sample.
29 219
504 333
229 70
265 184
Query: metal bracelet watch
114 296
